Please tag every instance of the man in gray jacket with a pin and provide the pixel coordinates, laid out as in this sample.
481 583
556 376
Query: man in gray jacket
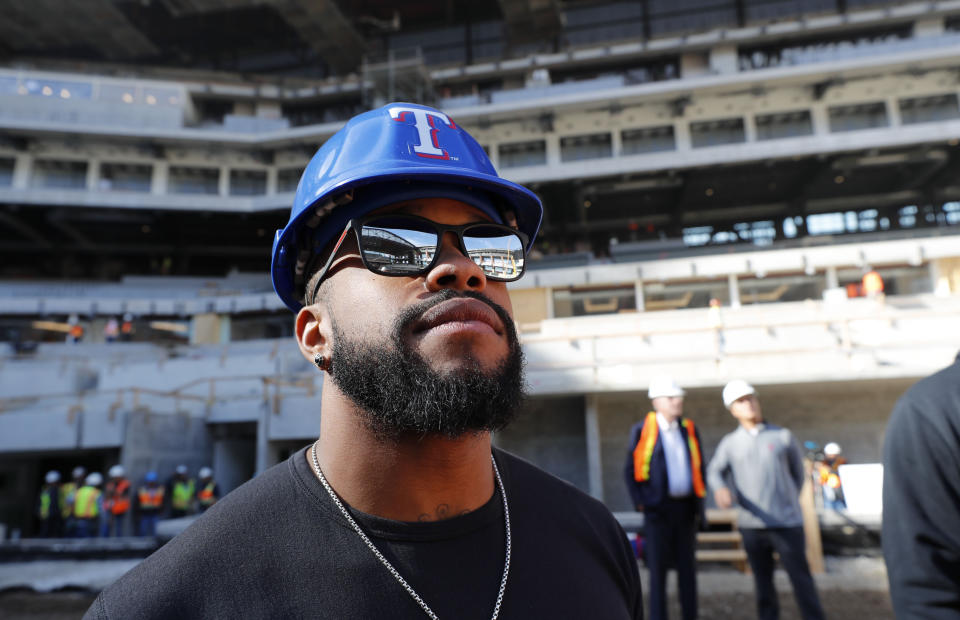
761 467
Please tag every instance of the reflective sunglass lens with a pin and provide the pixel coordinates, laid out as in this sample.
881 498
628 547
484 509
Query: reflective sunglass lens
497 251
398 246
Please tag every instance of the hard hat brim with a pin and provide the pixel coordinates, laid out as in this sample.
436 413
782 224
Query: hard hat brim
523 202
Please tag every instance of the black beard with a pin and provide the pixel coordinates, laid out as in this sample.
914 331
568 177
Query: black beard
400 395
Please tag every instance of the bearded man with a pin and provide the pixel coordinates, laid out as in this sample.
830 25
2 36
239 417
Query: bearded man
396 257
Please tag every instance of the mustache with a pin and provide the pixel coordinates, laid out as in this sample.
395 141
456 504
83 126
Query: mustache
408 316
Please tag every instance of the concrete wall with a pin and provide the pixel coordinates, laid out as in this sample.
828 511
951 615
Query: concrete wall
161 441
550 433
852 413
530 305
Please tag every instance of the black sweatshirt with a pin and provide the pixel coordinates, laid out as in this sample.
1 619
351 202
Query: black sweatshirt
278 547
921 498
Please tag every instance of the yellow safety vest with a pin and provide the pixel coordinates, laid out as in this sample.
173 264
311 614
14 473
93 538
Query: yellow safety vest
67 492
182 494
85 507
45 503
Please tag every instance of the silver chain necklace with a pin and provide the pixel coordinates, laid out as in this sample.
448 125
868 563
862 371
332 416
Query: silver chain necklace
386 562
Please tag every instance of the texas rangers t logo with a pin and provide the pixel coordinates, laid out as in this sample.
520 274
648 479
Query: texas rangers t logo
424 121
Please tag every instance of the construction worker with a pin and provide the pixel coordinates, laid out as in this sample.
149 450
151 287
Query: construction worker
126 328
872 284
75 333
760 467
149 504
48 509
88 507
68 493
665 476
116 503
830 477
182 490
207 491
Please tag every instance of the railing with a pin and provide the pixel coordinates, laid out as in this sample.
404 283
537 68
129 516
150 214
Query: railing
272 393
863 328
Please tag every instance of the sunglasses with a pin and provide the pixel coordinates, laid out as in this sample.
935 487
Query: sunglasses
408 245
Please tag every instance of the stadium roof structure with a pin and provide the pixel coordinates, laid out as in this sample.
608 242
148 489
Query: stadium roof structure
310 38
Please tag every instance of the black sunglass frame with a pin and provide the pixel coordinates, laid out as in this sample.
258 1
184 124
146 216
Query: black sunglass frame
357 225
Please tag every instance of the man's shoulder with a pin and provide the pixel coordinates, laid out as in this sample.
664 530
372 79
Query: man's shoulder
549 492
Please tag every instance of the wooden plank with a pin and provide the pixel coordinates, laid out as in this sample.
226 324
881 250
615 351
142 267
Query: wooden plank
720 537
811 524
721 555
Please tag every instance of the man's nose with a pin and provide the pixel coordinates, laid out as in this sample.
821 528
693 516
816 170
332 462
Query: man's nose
454 269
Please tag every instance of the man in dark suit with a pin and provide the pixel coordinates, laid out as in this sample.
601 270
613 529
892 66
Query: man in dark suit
664 472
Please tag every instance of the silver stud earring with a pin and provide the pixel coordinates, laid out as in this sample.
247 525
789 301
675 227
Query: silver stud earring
320 361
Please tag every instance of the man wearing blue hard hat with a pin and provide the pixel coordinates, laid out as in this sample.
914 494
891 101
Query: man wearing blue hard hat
396 257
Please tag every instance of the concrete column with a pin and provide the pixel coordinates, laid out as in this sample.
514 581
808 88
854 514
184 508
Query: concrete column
93 174
681 133
616 142
832 280
820 120
553 149
733 286
223 187
749 128
638 295
263 440
22 170
271 180
893 112
224 328
494 154
159 178
594 460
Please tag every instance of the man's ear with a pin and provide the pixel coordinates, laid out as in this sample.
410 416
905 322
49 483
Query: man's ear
312 328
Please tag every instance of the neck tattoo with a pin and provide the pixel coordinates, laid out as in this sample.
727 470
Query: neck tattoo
386 563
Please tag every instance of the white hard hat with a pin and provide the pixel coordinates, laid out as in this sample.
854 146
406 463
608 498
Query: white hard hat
117 471
94 480
738 388
664 386
205 472
181 469
832 449
52 476
79 472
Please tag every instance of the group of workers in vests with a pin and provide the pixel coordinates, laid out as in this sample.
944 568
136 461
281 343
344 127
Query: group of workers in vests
87 506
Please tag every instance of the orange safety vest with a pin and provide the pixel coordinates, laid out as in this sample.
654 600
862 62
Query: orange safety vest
643 452
118 500
150 499
205 495
85 506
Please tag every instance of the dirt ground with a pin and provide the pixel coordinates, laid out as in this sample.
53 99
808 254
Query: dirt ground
852 587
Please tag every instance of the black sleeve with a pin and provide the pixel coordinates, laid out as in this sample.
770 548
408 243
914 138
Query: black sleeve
921 500
628 472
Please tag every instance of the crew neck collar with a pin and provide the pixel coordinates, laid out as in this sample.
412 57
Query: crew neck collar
379 527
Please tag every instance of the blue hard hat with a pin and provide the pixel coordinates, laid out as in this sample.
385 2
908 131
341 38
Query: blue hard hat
151 476
398 152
